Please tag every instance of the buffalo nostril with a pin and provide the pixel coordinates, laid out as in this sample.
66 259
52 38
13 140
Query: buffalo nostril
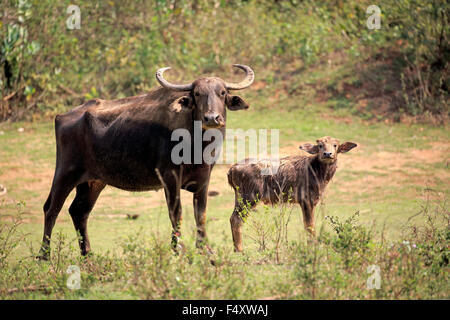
212 119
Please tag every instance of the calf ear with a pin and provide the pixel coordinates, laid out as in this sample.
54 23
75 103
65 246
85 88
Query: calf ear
346 147
310 148
236 103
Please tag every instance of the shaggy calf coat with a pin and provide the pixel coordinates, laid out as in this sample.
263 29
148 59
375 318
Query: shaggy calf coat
298 179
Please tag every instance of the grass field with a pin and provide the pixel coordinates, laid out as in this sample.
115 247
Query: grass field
397 171
320 70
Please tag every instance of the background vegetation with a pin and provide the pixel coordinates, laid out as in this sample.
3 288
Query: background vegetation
319 71
399 69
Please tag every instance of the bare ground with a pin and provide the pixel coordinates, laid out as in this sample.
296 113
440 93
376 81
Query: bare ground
368 173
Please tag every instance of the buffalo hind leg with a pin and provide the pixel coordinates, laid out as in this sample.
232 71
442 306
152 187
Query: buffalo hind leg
63 184
81 207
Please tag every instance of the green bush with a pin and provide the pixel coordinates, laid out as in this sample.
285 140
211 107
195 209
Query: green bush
351 240
337 266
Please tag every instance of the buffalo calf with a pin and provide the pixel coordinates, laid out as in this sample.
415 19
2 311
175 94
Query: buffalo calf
299 179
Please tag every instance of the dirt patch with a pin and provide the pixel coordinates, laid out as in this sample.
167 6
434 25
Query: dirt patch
392 161
155 199
346 120
358 172
393 169
25 176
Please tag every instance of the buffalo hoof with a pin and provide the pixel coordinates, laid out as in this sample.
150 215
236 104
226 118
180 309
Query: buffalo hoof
43 257
86 255
179 248
44 254
238 249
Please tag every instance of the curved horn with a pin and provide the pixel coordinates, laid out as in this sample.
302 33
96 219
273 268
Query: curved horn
250 76
166 84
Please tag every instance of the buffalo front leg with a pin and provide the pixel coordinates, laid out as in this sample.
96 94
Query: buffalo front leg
172 193
81 207
200 199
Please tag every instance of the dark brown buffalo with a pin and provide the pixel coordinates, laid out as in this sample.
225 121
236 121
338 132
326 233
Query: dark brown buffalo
299 179
126 143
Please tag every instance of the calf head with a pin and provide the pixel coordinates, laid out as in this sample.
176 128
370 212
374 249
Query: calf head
327 148
209 97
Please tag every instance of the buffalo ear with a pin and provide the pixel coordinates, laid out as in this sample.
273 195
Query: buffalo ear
185 101
310 148
346 147
236 103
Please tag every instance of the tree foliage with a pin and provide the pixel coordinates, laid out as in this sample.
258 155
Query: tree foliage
46 67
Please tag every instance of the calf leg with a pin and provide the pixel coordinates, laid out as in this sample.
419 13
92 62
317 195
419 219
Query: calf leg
63 183
87 195
241 209
308 218
236 222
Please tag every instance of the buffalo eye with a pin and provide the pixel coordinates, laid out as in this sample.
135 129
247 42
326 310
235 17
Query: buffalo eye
197 94
320 146
223 93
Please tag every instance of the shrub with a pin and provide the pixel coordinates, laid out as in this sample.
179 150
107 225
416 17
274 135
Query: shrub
46 68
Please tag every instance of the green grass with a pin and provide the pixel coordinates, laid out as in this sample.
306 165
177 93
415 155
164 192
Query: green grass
314 65
117 273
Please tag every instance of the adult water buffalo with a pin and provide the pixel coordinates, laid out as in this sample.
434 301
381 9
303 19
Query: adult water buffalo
127 144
